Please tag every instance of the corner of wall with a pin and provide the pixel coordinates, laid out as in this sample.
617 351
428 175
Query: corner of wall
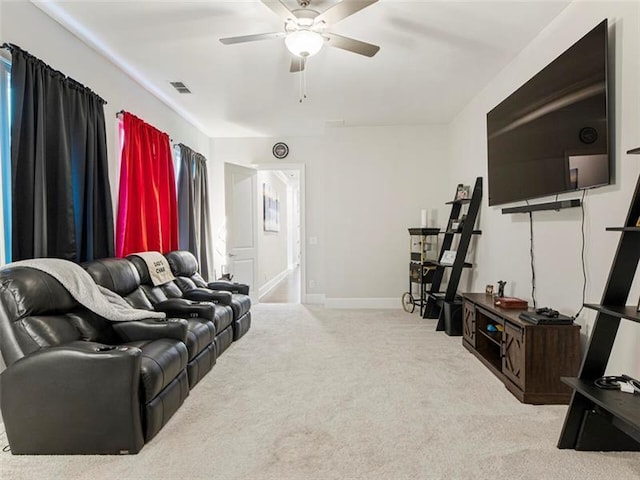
314 299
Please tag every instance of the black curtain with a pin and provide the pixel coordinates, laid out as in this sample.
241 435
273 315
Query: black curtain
193 208
60 184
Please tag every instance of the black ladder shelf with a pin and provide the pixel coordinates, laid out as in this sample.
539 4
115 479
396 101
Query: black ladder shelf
447 306
597 419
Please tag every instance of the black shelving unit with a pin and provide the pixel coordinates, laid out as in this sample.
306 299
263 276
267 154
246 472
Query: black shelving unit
597 419
446 305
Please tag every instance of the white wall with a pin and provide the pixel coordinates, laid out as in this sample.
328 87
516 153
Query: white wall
381 180
272 246
503 249
364 187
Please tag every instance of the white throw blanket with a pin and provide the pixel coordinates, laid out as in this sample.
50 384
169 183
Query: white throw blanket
158 266
82 287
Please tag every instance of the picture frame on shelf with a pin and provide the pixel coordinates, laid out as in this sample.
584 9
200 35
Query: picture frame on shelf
448 257
463 192
453 226
489 290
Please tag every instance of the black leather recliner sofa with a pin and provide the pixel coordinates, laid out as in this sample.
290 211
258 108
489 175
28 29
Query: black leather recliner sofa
76 383
120 276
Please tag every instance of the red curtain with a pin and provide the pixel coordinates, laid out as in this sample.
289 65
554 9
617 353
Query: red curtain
147 211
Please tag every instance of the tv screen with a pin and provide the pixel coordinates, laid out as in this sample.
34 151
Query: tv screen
551 135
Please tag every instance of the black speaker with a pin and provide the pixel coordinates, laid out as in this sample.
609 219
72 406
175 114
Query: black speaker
588 135
452 312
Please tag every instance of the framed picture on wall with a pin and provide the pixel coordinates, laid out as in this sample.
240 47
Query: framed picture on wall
270 208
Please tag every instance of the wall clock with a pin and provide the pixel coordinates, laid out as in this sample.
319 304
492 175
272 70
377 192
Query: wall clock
280 150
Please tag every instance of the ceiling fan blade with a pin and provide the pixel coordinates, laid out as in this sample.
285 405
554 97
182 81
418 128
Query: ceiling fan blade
279 9
297 64
342 10
252 38
352 45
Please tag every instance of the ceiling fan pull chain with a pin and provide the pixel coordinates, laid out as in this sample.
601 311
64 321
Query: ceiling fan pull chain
304 80
300 78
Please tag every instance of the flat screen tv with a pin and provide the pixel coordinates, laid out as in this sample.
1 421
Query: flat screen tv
552 134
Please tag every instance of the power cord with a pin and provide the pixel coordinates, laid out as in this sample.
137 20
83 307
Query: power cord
3 438
533 270
582 255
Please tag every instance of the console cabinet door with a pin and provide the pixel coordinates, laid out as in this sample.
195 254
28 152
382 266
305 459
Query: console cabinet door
469 323
514 354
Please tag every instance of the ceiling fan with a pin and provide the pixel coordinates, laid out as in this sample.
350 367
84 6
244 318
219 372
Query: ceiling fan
305 30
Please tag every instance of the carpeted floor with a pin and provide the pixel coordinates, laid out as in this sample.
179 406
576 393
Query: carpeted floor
311 393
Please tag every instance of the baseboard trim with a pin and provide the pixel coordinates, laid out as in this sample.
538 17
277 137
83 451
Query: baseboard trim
386 303
273 283
314 299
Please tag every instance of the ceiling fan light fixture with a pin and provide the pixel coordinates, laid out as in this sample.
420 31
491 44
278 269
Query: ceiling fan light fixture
304 43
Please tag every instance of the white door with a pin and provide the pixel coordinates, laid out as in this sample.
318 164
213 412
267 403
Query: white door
242 220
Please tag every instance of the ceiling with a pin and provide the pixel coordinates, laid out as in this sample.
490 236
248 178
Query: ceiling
435 57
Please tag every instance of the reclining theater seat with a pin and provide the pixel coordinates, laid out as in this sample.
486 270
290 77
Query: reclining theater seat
121 277
76 383
158 295
185 268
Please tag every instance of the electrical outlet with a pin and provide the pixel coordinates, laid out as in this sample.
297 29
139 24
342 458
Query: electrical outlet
312 284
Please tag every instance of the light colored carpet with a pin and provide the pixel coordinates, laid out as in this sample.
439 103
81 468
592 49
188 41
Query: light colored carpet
311 393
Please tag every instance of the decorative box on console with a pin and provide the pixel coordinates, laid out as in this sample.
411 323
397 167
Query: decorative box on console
510 302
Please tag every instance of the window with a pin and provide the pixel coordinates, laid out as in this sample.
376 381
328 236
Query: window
5 159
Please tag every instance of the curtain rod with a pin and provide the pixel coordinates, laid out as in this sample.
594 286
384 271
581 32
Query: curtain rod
198 154
121 112
70 81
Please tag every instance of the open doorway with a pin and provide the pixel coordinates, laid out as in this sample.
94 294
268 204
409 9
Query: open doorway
280 246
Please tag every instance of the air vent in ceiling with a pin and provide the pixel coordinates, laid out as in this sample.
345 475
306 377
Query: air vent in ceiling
180 87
